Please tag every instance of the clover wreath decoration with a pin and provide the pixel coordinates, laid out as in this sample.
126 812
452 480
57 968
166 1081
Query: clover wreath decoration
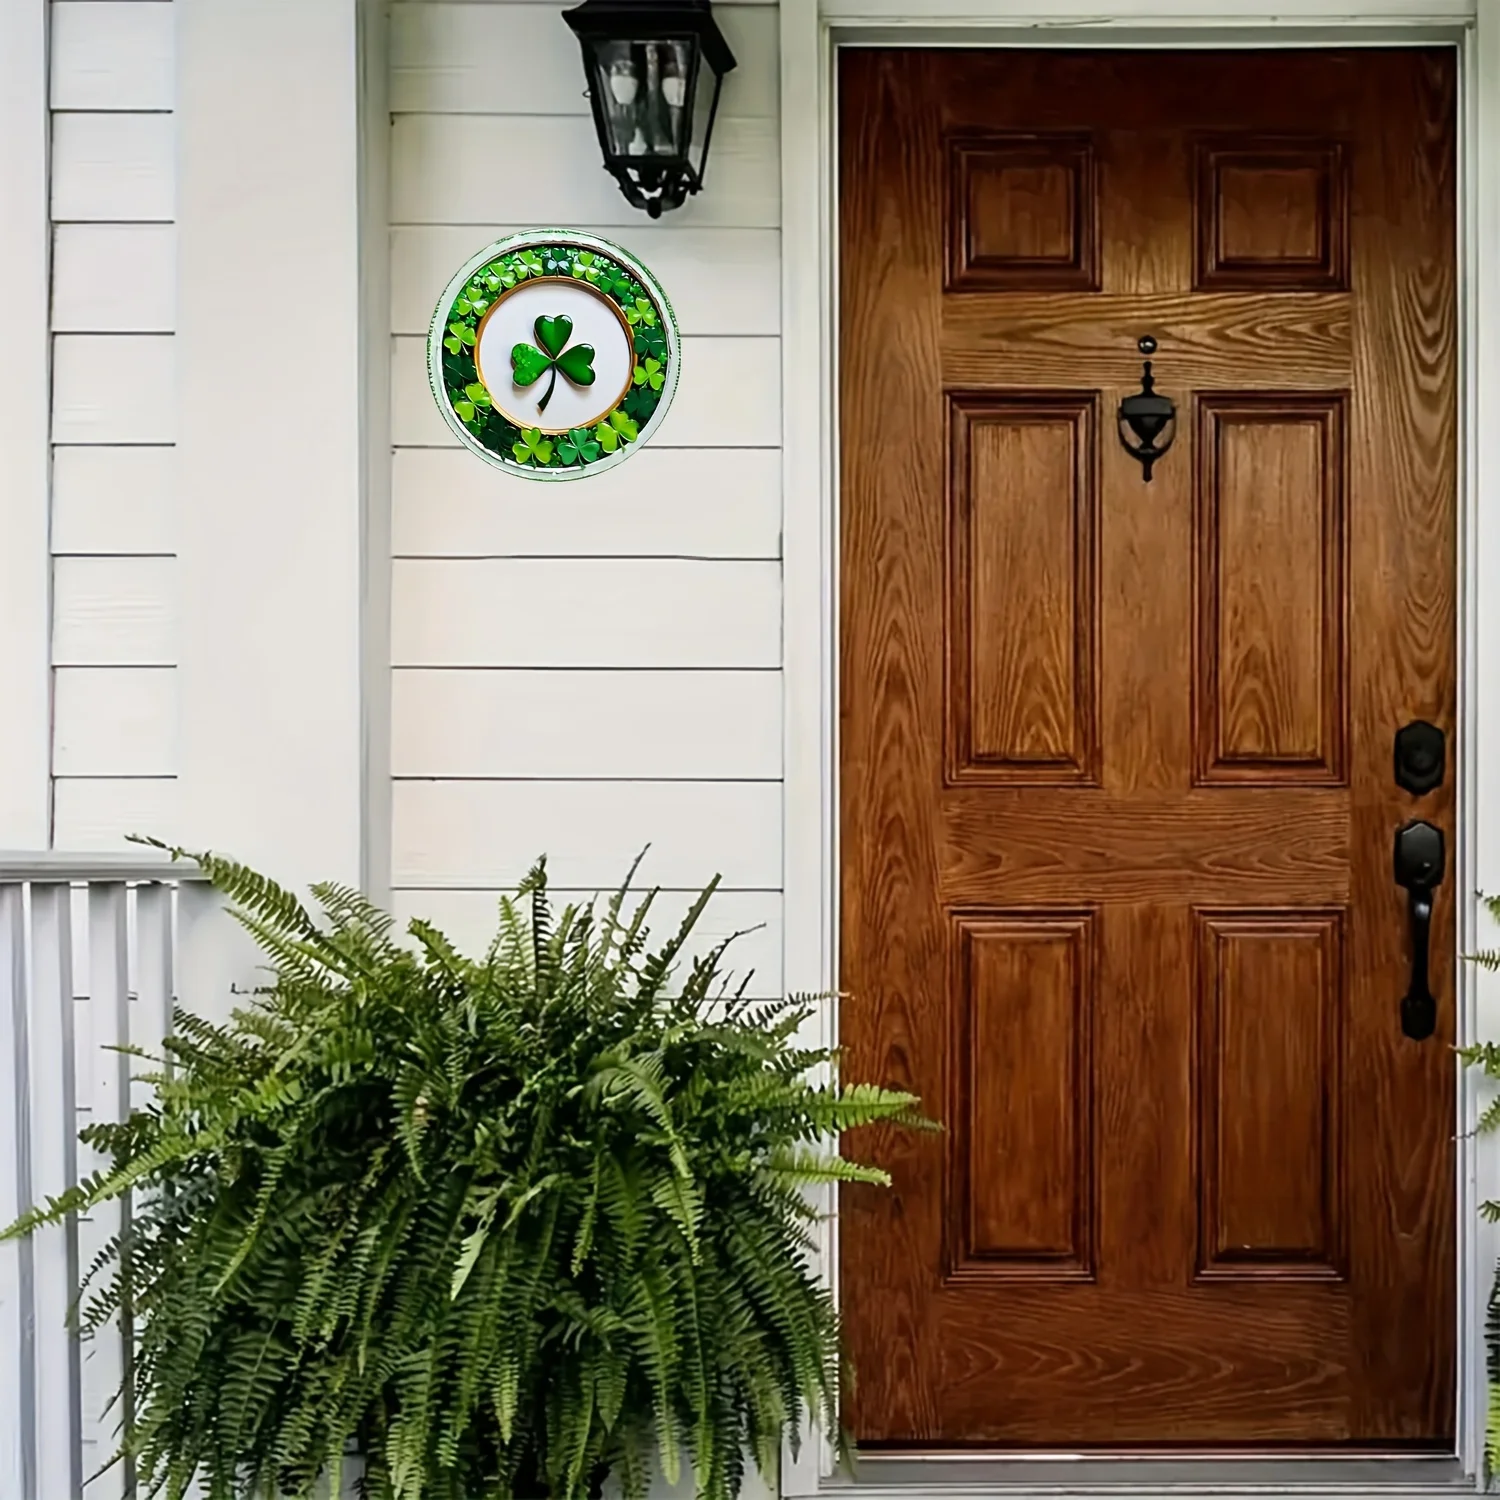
466 403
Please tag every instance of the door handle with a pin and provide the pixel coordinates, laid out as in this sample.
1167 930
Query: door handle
1419 859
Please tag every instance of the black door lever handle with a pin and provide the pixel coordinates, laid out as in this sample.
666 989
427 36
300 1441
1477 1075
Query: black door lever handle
1419 859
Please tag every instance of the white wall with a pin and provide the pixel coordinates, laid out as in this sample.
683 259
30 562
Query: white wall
113 526
583 669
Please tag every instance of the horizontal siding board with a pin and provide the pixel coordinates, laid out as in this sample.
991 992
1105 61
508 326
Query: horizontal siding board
98 813
114 278
488 833
637 724
523 59
113 167
665 502
439 173
586 612
113 500
469 919
114 611
112 54
115 721
113 388
728 396
719 281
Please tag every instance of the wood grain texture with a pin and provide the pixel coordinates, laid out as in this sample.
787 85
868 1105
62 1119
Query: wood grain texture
1271 587
1022 213
1269 1094
1045 338
1277 1270
1021 1166
1022 604
1271 213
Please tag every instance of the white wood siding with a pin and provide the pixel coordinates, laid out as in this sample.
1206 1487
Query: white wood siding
114 405
584 669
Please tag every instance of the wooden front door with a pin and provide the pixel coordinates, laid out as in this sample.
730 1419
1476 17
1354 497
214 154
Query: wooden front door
1118 795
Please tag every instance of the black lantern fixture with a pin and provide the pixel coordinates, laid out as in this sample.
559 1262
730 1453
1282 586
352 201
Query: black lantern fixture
654 68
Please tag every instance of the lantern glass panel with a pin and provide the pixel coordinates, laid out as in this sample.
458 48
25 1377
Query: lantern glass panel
646 90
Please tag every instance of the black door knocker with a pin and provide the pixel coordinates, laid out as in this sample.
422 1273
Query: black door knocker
1152 418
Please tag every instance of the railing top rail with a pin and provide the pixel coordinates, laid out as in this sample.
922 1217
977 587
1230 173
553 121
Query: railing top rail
68 865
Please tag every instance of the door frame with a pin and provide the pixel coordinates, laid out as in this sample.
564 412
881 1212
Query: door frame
811 32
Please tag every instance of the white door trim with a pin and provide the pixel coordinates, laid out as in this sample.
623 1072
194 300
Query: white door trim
810 36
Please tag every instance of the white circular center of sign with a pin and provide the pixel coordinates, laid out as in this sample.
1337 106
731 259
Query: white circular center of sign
539 342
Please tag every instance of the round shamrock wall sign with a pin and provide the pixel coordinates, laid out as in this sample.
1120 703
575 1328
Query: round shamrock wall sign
553 354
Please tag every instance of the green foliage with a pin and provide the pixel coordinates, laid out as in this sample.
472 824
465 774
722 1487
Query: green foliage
550 353
1486 1057
503 1226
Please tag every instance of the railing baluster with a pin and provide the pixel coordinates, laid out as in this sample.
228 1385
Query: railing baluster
17 1325
106 920
55 1168
104 1071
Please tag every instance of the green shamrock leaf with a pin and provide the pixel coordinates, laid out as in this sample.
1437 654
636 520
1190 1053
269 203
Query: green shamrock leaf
607 437
641 311
478 395
649 374
651 341
532 446
553 333
577 364
529 263
624 426
465 409
577 447
462 332
451 344
529 363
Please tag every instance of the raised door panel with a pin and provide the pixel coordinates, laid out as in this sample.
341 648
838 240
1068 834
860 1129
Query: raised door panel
1271 215
1022 612
1271 589
1022 213
1269 1069
1021 1190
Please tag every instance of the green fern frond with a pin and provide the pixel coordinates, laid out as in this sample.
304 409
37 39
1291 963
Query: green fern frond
502 1227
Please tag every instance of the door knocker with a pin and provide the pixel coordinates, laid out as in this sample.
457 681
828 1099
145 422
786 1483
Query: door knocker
1151 417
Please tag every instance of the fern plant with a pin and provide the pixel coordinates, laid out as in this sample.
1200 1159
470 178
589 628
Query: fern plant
1486 1057
504 1227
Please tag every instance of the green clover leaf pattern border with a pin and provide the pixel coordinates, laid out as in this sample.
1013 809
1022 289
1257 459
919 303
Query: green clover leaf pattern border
465 403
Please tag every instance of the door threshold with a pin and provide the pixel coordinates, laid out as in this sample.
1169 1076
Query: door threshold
975 1476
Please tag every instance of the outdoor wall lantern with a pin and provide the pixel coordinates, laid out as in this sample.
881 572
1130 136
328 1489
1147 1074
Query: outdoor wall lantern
654 70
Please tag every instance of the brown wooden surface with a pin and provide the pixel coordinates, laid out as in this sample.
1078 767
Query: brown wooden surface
1117 795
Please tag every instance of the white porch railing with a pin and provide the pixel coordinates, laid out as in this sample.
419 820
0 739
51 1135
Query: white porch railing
90 951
